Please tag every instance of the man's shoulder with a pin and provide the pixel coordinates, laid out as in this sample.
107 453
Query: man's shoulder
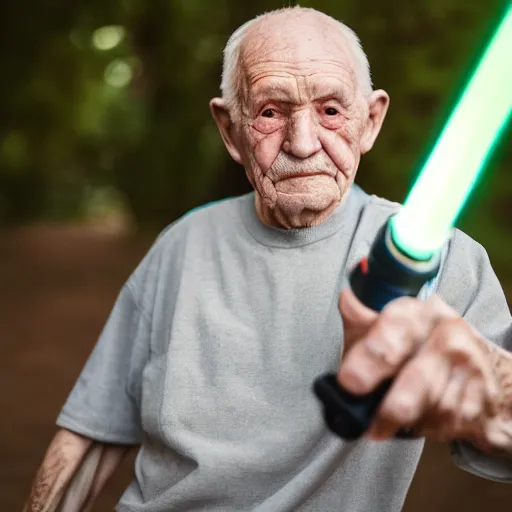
374 212
464 256
219 213
382 205
463 244
372 204
216 209
184 239
466 272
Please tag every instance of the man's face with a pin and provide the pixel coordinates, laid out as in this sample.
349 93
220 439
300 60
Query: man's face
303 119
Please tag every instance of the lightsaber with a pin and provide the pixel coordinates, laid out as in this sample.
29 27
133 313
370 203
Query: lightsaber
406 252
459 156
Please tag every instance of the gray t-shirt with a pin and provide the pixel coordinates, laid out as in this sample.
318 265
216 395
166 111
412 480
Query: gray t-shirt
208 358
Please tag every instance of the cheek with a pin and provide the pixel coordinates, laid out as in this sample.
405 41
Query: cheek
340 150
266 148
342 145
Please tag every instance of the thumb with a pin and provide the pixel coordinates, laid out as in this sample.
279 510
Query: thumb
357 318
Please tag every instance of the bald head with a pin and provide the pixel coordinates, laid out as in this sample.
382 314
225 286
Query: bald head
283 33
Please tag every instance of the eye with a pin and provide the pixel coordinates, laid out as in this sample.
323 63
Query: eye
331 111
269 119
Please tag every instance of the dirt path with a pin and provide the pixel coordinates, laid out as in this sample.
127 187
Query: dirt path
57 286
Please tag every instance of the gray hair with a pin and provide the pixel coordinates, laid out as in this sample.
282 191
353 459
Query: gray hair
230 83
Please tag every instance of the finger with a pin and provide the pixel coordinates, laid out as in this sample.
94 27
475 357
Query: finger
492 395
391 340
447 407
419 385
357 318
463 422
471 409
460 345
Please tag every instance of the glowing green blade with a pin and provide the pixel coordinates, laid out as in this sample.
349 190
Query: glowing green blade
452 169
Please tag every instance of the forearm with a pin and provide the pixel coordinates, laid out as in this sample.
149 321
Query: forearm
73 472
61 461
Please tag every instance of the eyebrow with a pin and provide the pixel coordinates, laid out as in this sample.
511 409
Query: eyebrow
280 93
276 92
322 92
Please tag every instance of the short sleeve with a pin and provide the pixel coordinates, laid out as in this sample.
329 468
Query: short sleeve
104 404
468 284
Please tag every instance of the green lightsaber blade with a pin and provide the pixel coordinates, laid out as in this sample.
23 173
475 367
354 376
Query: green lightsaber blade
453 167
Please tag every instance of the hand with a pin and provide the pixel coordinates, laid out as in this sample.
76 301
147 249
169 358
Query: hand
445 386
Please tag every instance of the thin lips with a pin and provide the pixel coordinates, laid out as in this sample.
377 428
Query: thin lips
308 174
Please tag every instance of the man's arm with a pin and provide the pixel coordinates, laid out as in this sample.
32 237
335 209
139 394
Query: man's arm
73 472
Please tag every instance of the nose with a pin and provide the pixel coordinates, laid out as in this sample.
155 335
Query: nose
302 137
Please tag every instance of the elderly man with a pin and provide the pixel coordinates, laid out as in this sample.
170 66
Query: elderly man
209 355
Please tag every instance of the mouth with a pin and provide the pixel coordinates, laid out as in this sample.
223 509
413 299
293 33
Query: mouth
307 175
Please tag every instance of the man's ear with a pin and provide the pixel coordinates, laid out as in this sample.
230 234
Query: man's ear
378 104
226 128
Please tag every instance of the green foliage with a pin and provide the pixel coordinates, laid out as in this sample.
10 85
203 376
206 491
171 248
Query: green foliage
65 130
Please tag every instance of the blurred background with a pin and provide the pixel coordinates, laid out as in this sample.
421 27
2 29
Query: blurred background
106 137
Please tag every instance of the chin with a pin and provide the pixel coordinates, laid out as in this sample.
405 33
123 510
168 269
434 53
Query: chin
304 210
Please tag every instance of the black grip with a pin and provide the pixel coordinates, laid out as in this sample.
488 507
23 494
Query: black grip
376 281
347 415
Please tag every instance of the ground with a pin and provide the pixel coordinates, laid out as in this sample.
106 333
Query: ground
57 285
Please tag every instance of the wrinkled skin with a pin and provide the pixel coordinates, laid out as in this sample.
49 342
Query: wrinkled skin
471 395
302 124
304 121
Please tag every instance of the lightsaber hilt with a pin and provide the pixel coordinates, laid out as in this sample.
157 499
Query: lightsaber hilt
387 274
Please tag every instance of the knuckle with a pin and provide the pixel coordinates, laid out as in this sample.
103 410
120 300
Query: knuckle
492 393
385 350
453 334
437 305
400 408
393 338
416 378
421 372
403 307
434 300
472 405
393 357
470 412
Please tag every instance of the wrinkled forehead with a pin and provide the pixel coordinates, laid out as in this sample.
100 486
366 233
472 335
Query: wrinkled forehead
317 54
